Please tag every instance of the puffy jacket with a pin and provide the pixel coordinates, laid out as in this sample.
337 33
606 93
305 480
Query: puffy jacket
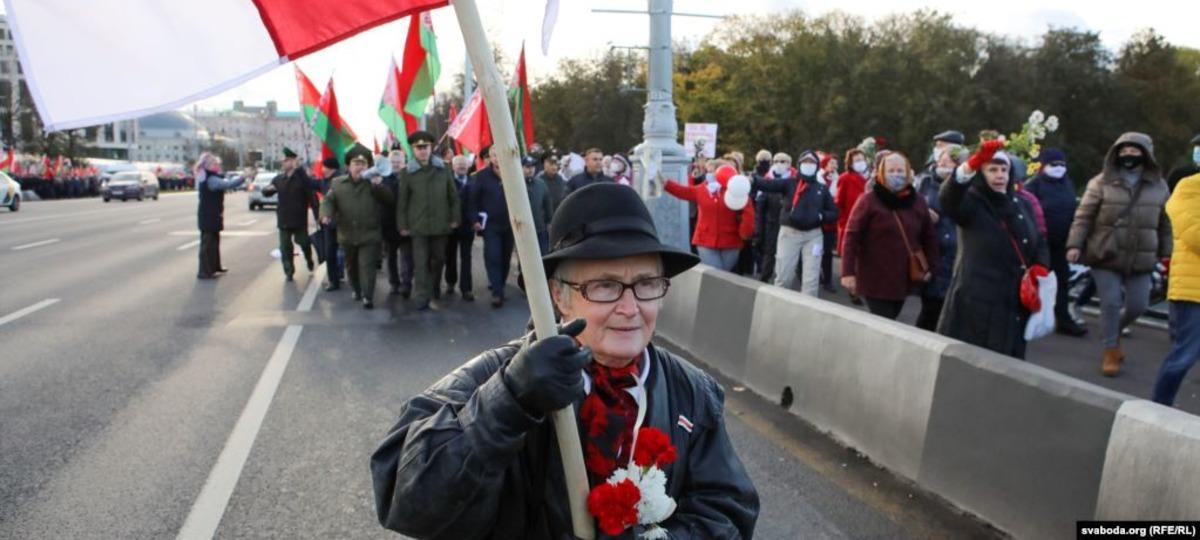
466 461
1144 236
813 208
1057 197
1184 209
354 204
427 200
717 227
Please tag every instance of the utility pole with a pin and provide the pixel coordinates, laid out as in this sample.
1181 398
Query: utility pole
660 152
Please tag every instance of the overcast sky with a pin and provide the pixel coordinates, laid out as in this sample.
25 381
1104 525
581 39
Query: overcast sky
360 64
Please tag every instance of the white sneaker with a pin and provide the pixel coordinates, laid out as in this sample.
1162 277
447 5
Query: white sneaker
1075 312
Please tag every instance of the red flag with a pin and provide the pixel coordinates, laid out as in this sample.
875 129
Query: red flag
454 114
523 106
471 128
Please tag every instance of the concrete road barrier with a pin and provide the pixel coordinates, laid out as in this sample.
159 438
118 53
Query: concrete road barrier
1029 450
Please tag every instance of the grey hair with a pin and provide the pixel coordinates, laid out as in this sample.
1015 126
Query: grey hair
460 160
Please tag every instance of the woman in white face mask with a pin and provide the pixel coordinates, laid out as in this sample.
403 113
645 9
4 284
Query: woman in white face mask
889 245
1055 191
850 187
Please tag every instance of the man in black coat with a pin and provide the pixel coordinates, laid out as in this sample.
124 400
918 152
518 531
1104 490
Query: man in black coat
593 171
210 214
1055 191
462 239
333 260
489 214
474 457
296 199
399 267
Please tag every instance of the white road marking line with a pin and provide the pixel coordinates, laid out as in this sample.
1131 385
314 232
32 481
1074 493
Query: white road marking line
149 221
206 513
17 315
310 295
36 244
193 243
223 233
247 222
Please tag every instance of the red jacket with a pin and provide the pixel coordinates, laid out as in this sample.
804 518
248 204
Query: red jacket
851 186
717 227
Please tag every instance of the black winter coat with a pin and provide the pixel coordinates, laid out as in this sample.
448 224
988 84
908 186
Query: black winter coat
210 215
387 210
1057 197
487 195
983 305
928 186
465 461
296 199
464 198
582 179
814 208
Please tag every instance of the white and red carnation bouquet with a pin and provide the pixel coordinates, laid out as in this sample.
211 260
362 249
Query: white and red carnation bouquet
637 494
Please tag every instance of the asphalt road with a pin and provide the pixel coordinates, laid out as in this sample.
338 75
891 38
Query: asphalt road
138 402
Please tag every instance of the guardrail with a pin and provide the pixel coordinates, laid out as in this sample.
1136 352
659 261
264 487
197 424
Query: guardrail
1025 448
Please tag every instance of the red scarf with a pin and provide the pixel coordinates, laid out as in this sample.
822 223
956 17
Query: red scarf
801 187
608 415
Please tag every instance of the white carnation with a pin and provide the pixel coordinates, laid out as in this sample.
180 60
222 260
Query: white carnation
1037 118
655 506
655 533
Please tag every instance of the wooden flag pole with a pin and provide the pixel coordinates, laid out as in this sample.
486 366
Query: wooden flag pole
495 97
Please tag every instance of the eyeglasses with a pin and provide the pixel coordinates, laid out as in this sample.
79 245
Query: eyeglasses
607 291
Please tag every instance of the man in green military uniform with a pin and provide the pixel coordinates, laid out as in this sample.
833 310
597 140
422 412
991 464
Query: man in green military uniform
427 209
296 200
353 201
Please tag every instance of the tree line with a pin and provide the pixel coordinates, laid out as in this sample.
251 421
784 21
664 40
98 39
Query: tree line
789 82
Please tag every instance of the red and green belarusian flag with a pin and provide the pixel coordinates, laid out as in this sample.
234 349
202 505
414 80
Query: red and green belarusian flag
320 112
330 127
409 89
518 97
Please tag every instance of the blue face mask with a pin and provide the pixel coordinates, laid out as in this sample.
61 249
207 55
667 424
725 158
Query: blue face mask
1196 155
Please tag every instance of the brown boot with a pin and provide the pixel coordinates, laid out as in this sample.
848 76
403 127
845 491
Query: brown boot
1112 361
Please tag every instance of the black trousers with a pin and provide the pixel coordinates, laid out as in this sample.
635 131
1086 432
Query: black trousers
931 311
889 309
458 260
399 255
210 253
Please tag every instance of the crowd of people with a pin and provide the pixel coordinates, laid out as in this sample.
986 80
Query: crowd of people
962 232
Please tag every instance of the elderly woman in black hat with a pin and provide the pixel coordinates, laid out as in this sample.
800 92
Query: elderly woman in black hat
474 456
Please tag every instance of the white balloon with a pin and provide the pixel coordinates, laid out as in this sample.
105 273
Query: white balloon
739 185
736 202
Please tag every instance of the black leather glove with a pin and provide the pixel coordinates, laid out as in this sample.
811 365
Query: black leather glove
547 375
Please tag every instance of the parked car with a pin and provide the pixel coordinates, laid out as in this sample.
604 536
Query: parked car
10 193
257 199
130 185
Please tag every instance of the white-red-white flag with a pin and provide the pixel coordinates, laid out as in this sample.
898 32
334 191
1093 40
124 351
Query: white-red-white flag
145 56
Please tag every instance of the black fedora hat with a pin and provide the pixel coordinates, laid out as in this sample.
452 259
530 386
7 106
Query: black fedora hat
606 220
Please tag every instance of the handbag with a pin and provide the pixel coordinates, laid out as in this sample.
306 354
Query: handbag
918 266
1029 280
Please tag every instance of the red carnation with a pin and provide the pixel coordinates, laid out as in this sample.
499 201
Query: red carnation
615 505
653 448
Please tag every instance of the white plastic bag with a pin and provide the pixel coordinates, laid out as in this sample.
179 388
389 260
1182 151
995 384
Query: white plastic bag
1041 324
